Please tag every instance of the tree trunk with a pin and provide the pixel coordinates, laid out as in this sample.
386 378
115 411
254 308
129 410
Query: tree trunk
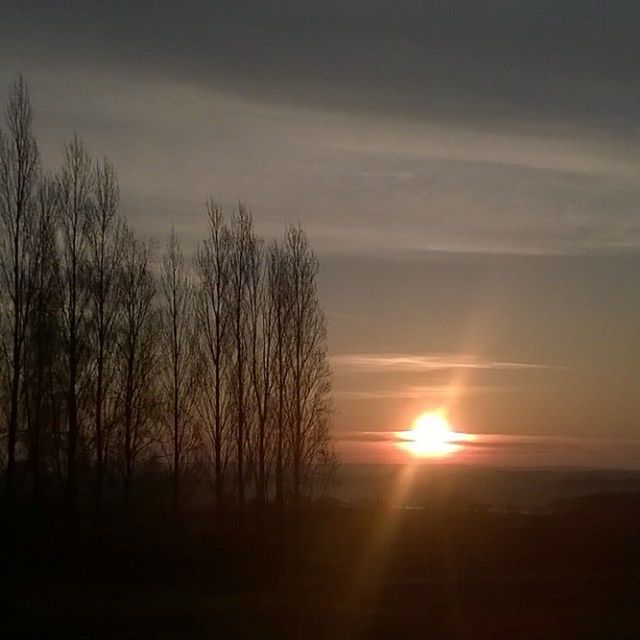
99 431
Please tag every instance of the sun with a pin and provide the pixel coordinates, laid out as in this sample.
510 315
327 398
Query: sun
431 436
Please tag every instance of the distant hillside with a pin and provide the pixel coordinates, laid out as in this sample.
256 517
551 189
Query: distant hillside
485 487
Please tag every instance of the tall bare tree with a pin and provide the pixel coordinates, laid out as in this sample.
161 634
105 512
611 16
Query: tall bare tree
181 366
104 233
243 247
19 168
213 312
308 362
41 389
280 302
93 362
138 357
76 188
262 321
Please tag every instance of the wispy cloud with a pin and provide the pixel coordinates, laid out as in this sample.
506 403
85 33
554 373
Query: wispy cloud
484 440
344 113
503 450
366 436
414 392
416 363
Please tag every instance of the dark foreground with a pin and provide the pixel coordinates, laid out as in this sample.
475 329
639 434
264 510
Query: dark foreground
349 573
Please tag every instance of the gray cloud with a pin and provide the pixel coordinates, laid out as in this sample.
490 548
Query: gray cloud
454 60
445 125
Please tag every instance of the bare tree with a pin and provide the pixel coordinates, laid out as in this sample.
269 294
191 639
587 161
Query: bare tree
245 368
104 233
280 303
212 308
308 362
137 341
243 247
41 387
76 187
262 321
180 367
19 168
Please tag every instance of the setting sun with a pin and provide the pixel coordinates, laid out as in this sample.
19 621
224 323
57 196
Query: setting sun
431 436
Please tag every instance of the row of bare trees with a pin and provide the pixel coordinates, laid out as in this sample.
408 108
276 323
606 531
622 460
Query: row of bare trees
114 363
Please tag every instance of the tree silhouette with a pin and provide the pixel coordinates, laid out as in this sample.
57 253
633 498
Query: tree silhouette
180 359
212 266
112 362
19 168
138 357
242 261
41 389
105 235
76 185
307 361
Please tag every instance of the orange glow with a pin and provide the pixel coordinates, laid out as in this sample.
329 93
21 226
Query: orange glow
431 436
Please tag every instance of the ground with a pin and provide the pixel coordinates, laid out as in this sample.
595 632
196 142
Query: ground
353 573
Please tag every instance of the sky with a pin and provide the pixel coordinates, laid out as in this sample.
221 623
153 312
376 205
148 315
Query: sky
468 173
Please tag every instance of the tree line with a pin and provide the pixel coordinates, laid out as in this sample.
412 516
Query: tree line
115 363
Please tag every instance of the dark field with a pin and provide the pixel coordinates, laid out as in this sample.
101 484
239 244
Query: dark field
347 573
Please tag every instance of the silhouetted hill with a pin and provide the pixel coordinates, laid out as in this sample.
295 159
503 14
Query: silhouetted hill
490 487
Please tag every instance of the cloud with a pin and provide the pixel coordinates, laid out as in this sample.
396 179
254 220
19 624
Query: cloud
444 125
418 363
454 60
415 392
504 450
490 440
366 436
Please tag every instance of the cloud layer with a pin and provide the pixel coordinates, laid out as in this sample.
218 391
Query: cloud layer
419 363
508 127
